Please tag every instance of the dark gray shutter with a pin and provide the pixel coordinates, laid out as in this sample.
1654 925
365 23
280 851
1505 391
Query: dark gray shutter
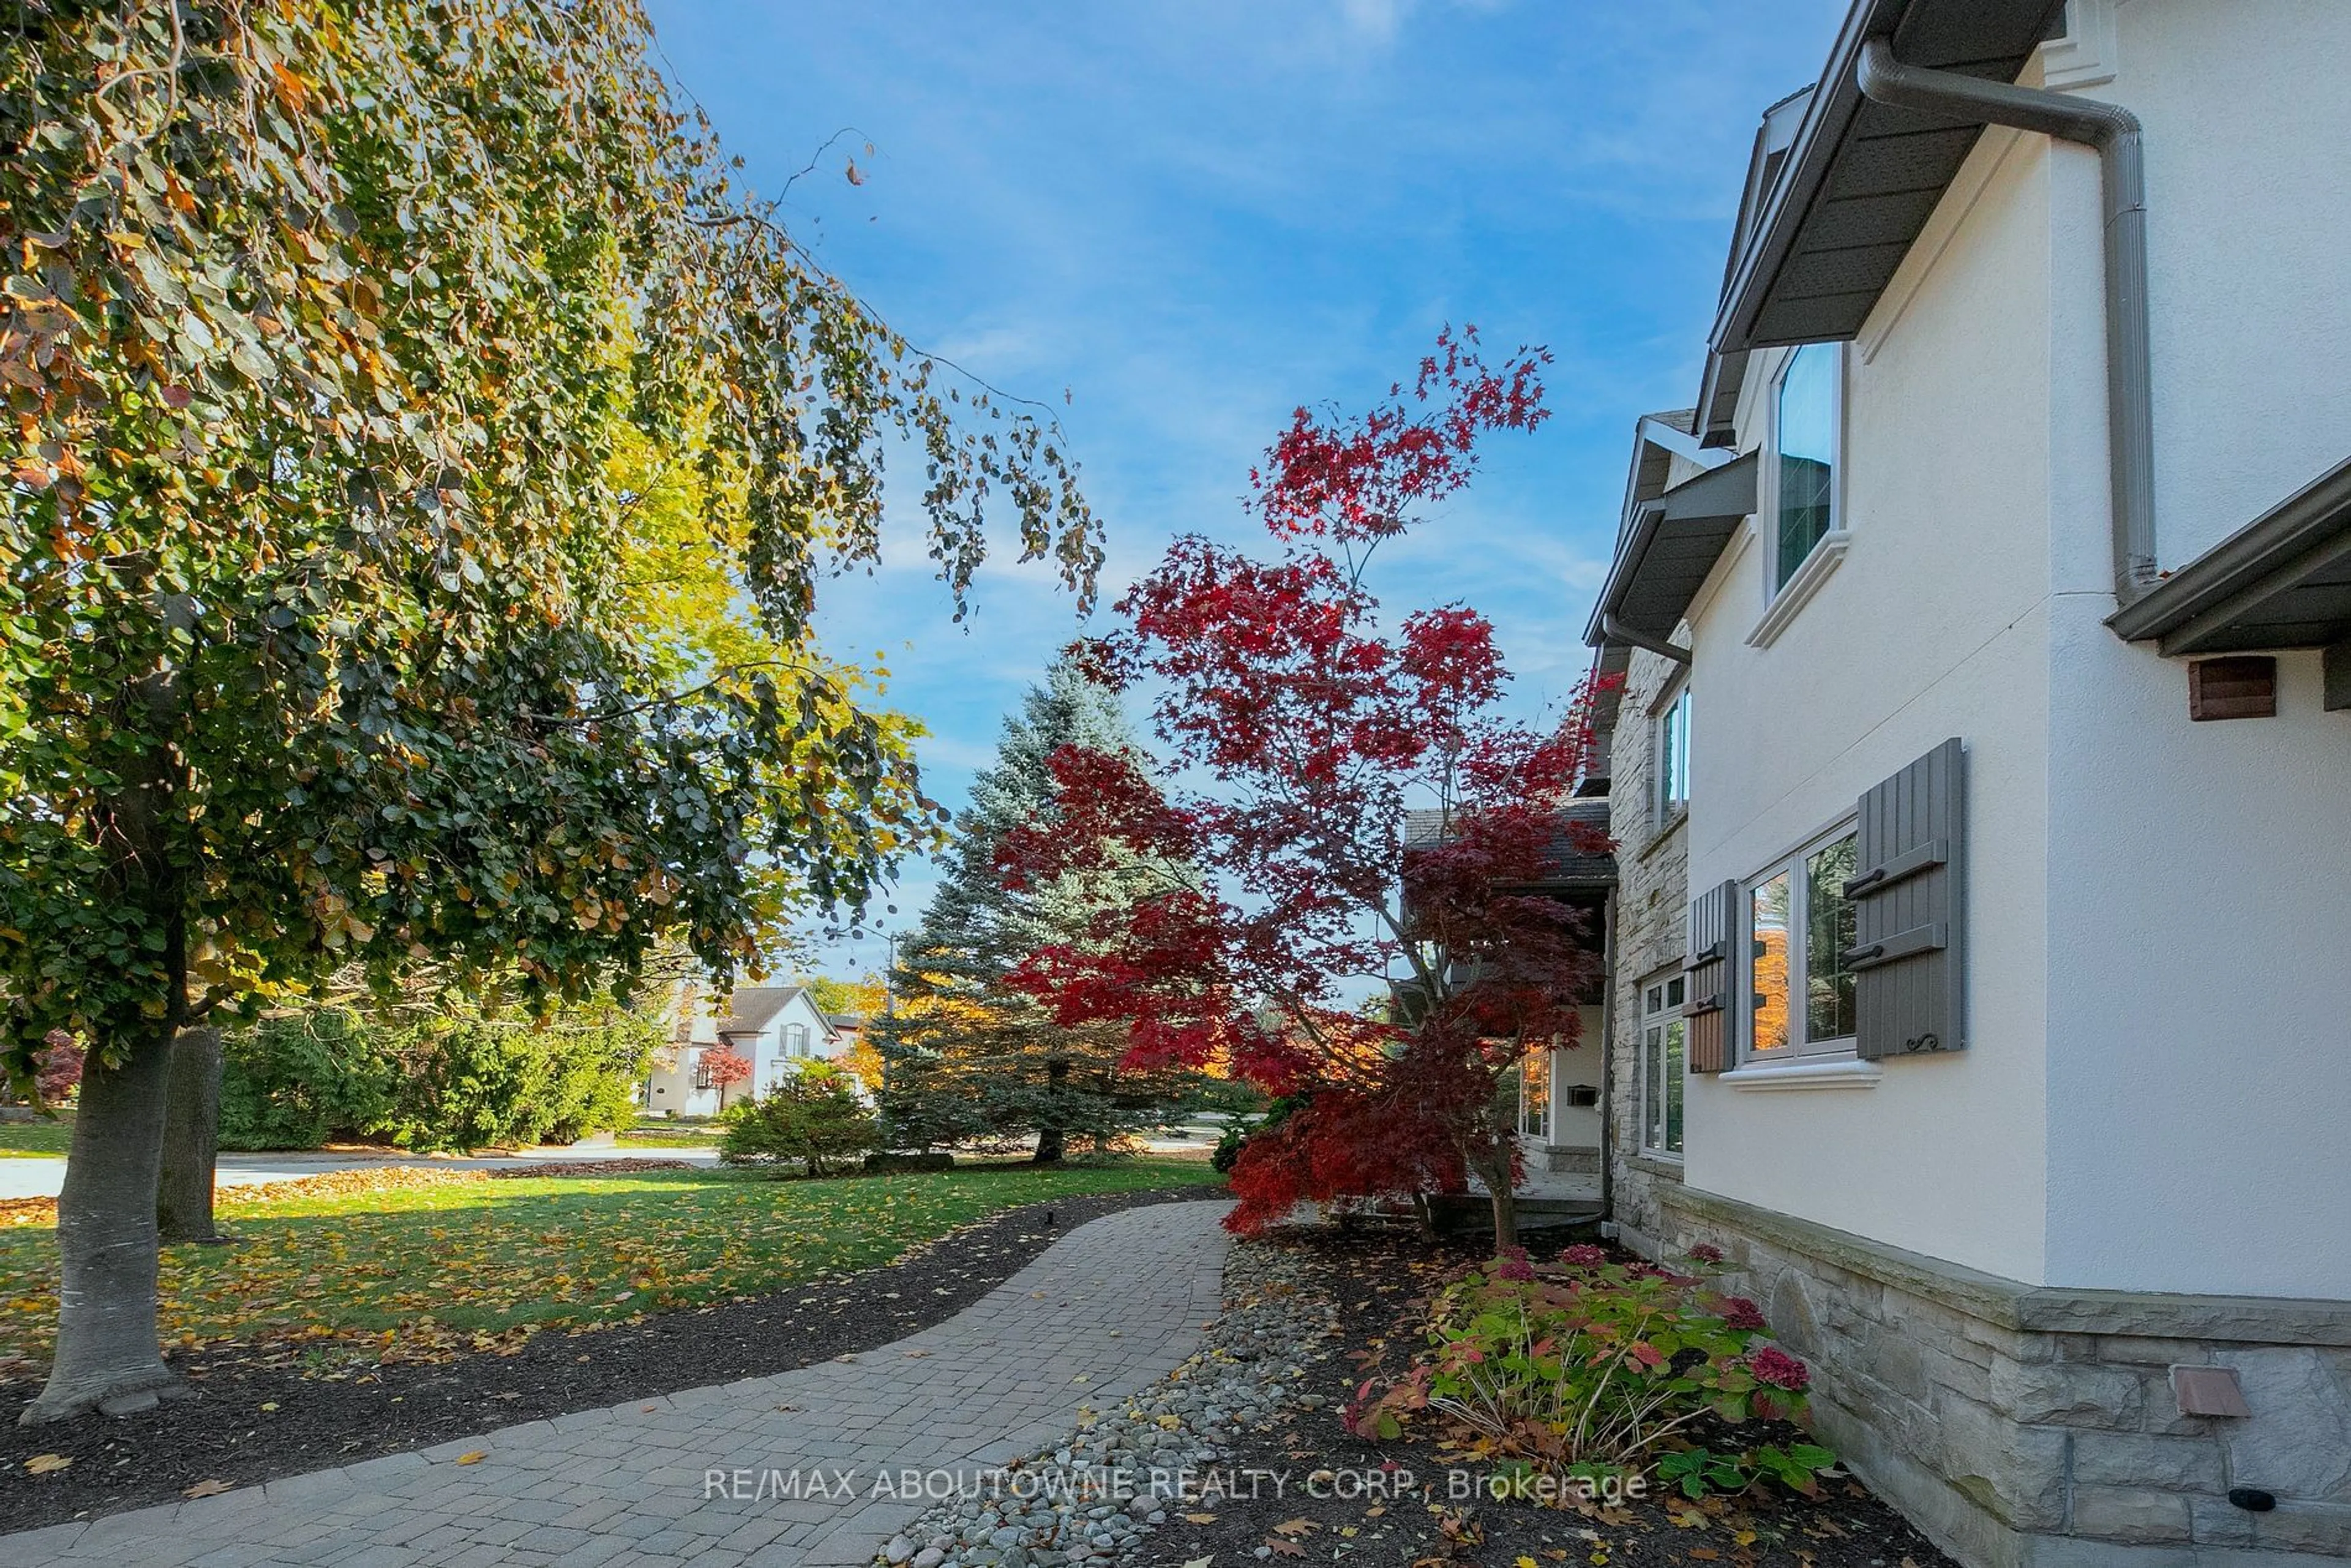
1709 1045
1911 907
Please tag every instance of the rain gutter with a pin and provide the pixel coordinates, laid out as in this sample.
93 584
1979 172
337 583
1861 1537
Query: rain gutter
2115 133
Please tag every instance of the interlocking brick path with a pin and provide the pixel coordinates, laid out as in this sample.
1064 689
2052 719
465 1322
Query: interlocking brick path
1106 1309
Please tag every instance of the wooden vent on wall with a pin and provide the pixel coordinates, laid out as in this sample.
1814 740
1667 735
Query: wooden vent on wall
2240 687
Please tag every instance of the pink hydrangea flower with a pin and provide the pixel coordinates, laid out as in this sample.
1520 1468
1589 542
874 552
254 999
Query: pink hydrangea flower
1740 1312
1707 1252
1584 1255
1513 1268
1780 1370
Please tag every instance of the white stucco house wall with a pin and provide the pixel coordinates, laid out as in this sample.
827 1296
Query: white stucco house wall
1981 775
773 1027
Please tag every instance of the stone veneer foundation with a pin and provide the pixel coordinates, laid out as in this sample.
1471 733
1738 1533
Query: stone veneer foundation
2020 1426
2026 1426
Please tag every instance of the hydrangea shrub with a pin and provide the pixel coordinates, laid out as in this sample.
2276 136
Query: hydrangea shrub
1592 1365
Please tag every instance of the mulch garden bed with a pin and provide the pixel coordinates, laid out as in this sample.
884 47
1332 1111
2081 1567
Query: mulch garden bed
257 1418
1372 1280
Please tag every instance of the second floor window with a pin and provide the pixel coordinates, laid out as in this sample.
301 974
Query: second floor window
1804 421
1673 756
796 1040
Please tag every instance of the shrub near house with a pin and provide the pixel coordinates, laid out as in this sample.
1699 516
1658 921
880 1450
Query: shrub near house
813 1116
1594 1367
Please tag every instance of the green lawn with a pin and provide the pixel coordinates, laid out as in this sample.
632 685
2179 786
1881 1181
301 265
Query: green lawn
26 1140
439 1265
670 1136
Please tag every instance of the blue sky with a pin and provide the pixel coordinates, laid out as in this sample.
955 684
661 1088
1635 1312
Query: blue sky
1195 216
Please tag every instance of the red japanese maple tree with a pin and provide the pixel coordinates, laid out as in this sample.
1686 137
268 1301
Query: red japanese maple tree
720 1066
1312 730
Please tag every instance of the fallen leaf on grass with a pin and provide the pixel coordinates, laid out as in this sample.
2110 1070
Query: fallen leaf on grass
473 1455
42 1464
208 1488
916 1354
1200 1519
1199 1562
1284 1547
1704 1554
1686 1518
1295 1527
1747 1538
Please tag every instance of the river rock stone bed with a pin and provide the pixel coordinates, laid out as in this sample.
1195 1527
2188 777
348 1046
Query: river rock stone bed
1098 1495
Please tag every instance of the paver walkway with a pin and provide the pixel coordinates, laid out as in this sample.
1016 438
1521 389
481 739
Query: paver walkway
1106 1309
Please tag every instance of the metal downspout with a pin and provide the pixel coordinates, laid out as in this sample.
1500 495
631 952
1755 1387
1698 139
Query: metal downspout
2115 133
1617 631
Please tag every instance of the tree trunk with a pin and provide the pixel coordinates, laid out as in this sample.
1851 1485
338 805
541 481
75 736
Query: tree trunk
1506 1215
1492 1164
1052 1140
183 1195
106 1355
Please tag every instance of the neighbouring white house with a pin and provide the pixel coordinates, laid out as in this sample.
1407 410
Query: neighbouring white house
772 1027
1982 775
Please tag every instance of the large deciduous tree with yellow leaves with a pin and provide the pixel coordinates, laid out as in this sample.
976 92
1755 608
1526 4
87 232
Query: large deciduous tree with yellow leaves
356 352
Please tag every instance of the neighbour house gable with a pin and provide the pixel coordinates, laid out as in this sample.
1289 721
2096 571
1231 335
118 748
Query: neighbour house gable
769 1026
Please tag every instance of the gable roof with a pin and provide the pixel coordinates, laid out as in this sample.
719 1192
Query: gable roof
1835 214
1668 540
1567 864
754 1008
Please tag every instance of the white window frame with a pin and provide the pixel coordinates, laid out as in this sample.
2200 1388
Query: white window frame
1659 1024
1798 1050
796 1040
1783 597
1672 721
1534 1115
1774 582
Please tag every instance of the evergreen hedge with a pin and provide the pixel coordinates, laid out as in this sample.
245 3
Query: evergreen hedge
452 1084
